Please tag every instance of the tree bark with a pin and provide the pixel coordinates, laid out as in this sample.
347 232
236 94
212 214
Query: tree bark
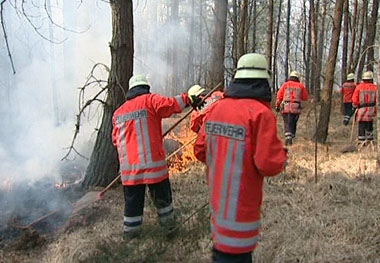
275 45
103 166
270 34
216 70
314 51
287 40
254 26
354 26
378 113
242 22
307 48
345 47
371 33
324 117
360 39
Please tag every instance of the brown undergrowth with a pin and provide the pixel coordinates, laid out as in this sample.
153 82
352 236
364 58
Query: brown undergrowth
336 219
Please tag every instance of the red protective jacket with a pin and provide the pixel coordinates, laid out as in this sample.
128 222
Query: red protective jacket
197 117
240 147
137 134
364 99
291 94
347 91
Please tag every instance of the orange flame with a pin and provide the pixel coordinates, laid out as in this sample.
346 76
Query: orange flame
182 161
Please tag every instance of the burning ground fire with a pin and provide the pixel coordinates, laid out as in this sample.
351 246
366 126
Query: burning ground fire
181 161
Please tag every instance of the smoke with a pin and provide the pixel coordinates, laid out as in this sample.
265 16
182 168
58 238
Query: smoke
40 102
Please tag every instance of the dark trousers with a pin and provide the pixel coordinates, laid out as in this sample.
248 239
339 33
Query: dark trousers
221 257
290 124
365 130
134 197
348 112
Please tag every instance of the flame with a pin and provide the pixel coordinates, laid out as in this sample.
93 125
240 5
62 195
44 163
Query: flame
179 164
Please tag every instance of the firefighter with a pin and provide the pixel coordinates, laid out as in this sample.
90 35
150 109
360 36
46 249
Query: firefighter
238 142
197 117
364 100
137 134
289 98
347 90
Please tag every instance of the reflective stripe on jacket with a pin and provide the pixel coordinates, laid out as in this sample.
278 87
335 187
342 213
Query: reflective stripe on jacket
347 91
197 117
239 146
290 95
137 134
364 99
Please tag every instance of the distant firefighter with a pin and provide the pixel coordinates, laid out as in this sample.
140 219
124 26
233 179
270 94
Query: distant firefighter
347 91
197 117
364 99
289 98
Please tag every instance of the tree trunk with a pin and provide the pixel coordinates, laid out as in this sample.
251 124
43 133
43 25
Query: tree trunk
270 34
242 23
354 26
287 40
307 48
360 40
103 166
371 33
275 45
235 33
324 117
321 44
343 74
314 50
254 26
174 85
218 43
190 60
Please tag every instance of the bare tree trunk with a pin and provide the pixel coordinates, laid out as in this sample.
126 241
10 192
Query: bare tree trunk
360 39
287 40
321 44
371 34
235 33
254 26
174 85
307 48
242 23
344 51
314 50
324 117
218 43
103 166
353 36
270 34
275 45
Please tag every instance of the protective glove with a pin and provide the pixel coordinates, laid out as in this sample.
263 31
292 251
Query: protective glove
277 109
194 94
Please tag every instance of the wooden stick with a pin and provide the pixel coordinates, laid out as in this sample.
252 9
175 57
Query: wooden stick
353 125
180 148
190 111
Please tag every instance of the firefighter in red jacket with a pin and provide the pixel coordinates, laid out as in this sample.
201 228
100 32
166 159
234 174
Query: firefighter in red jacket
289 98
197 117
238 142
347 90
137 134
364 99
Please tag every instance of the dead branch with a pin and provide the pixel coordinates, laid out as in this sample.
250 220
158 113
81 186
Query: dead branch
5 35
83 105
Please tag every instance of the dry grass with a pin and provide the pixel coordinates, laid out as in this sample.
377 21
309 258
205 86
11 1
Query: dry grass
335 220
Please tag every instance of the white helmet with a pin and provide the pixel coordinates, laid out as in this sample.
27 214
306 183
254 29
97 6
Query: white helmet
252 66
195 90
137 80
294 74
368 75
351 76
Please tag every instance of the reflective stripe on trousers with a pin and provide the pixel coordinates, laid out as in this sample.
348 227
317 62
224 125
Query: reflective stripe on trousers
233 241
132 224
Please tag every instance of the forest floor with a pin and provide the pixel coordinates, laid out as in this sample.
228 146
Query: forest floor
336 219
